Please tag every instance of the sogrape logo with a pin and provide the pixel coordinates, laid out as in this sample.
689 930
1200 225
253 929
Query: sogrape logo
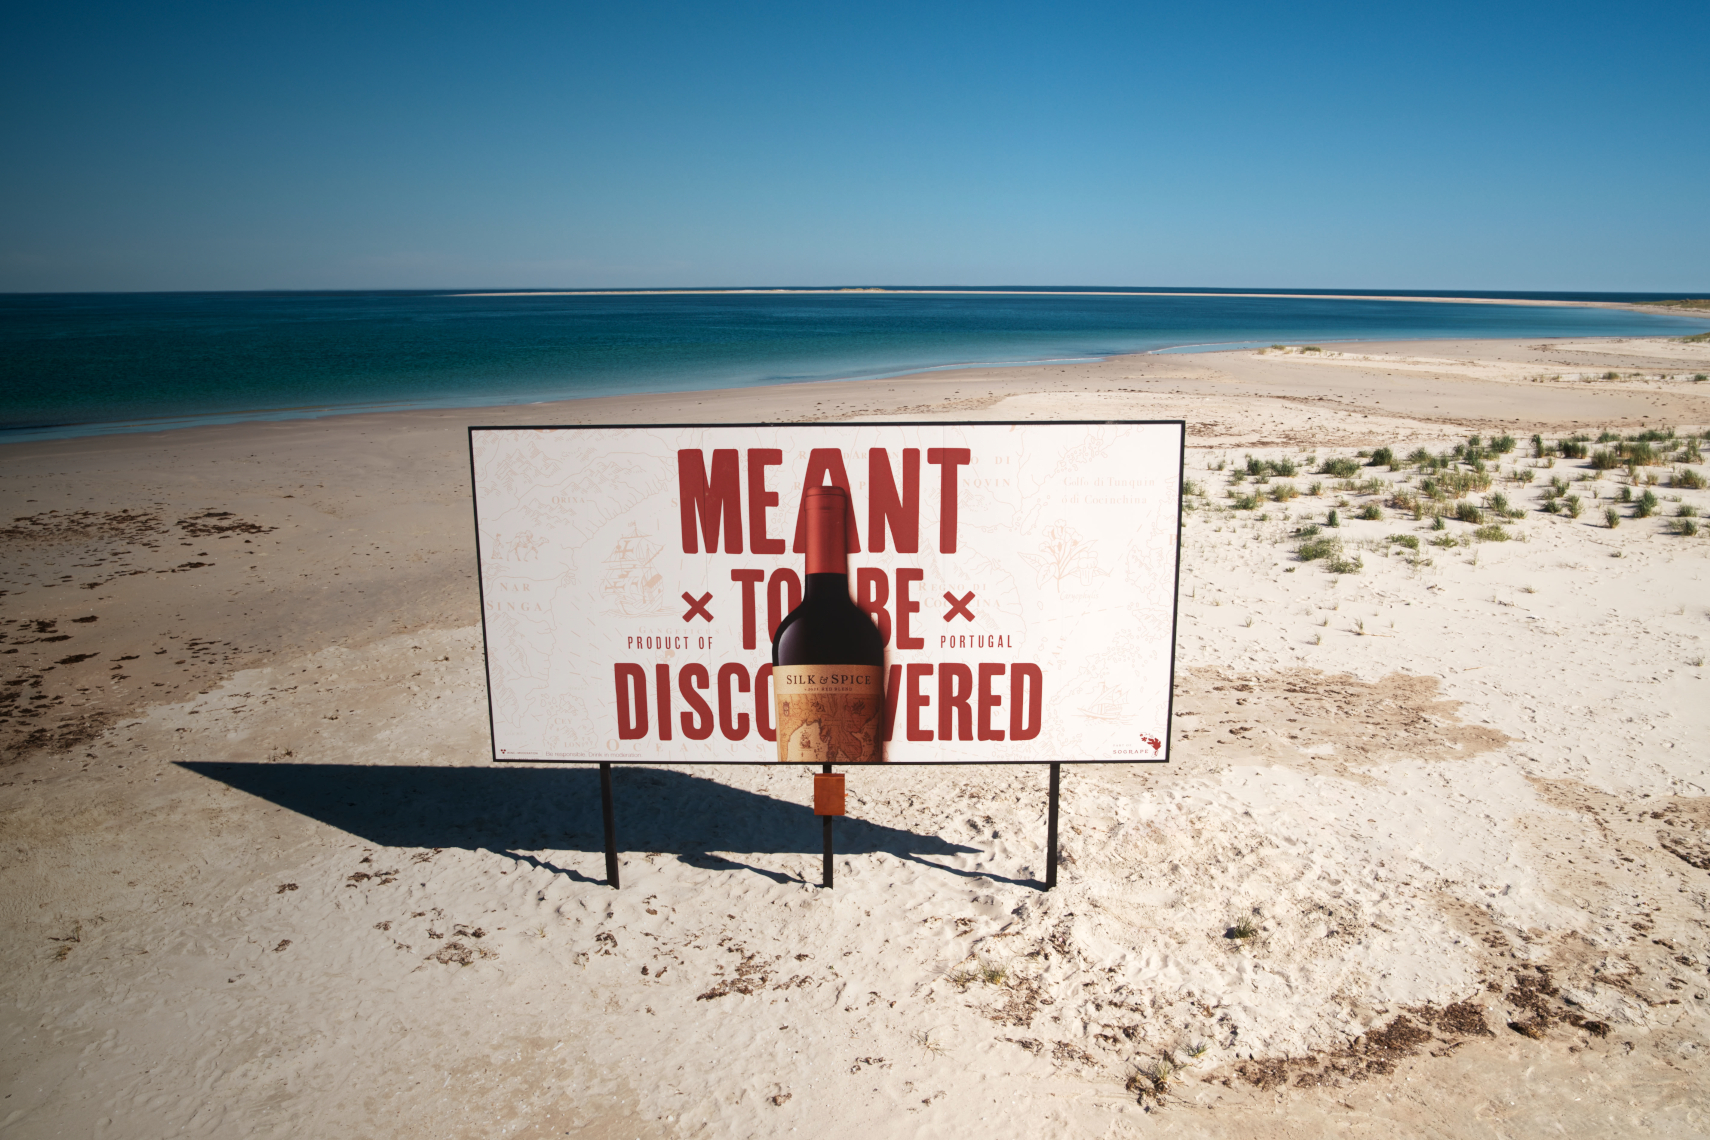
1022 575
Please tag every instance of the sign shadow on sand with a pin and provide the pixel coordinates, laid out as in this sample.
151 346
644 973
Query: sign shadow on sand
515 810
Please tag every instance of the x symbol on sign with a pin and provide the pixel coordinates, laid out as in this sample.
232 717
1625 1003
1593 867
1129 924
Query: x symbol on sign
699 607
959 607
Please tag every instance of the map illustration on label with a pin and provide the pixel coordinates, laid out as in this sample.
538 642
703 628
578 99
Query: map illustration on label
1004 592
828 714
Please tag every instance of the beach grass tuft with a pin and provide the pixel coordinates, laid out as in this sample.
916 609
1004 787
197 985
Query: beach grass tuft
1410 541
1370 512
1320 546
1685 527
1611 517
1340 468
1687 478
1491 532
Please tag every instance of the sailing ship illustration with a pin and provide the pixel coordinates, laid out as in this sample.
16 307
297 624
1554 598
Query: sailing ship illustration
1107 704
631 584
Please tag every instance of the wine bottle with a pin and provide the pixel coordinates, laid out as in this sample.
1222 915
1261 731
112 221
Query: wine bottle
828 658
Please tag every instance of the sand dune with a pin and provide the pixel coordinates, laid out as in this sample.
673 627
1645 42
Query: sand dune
1431 857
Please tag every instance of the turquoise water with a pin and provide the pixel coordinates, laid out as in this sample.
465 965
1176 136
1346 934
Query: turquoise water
86 364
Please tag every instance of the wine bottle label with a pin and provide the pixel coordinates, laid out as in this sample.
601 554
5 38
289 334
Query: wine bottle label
828 714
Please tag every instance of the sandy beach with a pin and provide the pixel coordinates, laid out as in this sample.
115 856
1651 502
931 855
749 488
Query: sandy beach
1432 857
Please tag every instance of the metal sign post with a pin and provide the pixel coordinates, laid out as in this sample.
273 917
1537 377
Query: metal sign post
1051 833
827 804
611 830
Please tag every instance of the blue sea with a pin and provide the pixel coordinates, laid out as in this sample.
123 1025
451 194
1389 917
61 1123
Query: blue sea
88 364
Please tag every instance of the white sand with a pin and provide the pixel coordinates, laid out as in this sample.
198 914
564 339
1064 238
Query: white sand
1479 780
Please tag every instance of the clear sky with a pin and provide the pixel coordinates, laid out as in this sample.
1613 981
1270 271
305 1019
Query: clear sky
301 145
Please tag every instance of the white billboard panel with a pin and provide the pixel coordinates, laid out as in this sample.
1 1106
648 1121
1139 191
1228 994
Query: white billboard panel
1023 574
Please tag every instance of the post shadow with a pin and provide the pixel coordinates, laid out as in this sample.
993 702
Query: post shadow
511 810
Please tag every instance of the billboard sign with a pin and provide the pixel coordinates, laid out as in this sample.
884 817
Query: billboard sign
1022 575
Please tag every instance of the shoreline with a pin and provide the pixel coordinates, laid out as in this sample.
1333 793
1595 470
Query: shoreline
15 436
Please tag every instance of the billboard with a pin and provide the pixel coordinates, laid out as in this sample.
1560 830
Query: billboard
1022 575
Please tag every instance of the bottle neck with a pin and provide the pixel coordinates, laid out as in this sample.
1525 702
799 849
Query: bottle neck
825 537
825 587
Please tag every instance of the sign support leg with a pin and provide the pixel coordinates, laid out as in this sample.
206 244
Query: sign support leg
611 829
825 864
1051 832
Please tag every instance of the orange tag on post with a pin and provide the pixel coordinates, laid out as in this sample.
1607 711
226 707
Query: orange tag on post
828 794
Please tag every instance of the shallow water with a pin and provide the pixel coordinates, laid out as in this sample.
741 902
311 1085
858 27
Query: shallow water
86 364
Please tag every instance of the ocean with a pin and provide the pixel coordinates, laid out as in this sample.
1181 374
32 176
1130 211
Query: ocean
89 364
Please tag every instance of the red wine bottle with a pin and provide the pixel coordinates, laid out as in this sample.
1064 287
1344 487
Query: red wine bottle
828 658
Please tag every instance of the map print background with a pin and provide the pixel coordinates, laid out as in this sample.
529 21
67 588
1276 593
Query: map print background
1067 536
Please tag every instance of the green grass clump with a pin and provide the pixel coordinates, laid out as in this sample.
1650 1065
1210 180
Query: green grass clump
1283 492
1340 468
1343 565
1646 506
1306 531
1491 532
1382 457
1686 511
1502 444
1333 519
1611 517
1318 546
1411 541
1604 460
1574 506
1371 512
1573 449
1446 541
1687 478
1245 502
1686 528
1468 513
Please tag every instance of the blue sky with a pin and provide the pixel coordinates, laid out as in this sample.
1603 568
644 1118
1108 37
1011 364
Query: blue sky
351 145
